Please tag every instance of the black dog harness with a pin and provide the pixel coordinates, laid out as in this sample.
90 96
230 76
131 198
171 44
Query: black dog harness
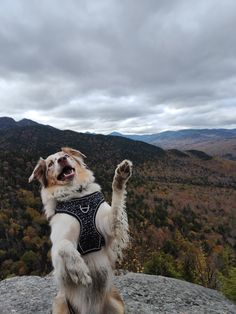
85 209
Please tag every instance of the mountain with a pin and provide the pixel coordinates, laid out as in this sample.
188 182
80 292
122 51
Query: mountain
6 123
181 205
44 140
142 294
182 134
136 137
216 142
26 122
9 123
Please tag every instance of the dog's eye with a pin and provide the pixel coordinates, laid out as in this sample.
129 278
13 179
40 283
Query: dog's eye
50 164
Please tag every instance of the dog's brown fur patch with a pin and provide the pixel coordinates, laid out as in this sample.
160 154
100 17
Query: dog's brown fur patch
60 305
82 173
114 303
73 152
39 173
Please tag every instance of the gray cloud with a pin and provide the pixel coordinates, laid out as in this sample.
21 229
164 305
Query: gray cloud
133 66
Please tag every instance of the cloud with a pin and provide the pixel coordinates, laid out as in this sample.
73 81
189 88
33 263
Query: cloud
133 66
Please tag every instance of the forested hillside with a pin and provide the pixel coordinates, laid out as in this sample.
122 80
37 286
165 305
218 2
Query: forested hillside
181 206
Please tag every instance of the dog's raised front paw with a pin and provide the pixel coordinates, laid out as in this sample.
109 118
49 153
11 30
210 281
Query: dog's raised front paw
122 174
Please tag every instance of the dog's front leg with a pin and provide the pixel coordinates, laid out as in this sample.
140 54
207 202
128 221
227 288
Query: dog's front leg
69 265
120 221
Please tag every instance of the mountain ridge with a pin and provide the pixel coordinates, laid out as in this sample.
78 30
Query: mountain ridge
221 132
216 142
8 123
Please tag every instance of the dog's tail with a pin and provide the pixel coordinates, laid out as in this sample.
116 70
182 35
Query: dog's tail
120 220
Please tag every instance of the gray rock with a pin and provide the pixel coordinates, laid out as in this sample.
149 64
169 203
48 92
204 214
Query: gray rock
143 294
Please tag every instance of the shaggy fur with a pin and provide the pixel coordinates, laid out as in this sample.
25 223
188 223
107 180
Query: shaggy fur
84 282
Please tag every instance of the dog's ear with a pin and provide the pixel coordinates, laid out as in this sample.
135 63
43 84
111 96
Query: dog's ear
39 172
73 152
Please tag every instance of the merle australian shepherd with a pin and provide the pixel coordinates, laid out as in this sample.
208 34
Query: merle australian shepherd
87 234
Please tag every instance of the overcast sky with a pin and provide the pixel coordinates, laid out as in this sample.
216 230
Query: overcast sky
134 66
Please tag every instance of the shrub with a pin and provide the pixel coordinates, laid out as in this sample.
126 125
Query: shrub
31 260
228 284
161 264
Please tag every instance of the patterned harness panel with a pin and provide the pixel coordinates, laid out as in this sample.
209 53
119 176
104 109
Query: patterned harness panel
85 209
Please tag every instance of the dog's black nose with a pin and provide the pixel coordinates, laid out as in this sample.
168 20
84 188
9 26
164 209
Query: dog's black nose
62 159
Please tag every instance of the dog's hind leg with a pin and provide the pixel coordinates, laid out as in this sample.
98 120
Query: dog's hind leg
120 222
114 303
60 305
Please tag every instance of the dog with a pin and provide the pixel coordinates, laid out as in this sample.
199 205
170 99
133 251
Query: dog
87 234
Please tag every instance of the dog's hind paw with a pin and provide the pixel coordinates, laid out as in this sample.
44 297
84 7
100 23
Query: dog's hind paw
122 174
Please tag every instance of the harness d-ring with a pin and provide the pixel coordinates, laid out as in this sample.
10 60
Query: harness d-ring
86 210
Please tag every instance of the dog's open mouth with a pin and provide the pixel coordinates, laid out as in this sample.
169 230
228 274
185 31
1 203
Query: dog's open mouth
67 173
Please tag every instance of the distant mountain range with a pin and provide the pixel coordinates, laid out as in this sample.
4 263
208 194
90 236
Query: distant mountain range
216 142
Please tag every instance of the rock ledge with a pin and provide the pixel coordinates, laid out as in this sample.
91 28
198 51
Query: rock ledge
143 294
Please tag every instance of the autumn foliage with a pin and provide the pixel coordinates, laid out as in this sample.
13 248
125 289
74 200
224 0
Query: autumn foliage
181 208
